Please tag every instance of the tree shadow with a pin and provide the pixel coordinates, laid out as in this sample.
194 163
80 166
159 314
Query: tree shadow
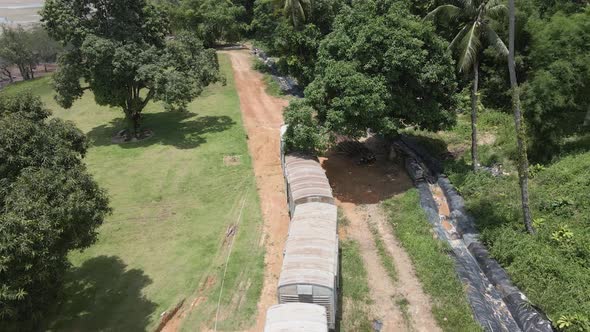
365 184
103 295
183 130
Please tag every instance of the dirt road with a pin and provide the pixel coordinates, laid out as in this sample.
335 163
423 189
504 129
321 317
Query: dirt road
401 305
263 117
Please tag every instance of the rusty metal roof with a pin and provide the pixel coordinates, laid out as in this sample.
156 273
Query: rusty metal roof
306 177
311 252
296 317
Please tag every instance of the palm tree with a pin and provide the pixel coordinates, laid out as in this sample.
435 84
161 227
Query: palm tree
297 10
475 19
523 164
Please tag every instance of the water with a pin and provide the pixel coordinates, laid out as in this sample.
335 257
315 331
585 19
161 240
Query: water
13 6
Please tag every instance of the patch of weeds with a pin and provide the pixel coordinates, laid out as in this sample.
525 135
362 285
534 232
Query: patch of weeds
355 297
403 304
384 256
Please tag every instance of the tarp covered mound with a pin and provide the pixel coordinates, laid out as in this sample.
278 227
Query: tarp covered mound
287 84
497 304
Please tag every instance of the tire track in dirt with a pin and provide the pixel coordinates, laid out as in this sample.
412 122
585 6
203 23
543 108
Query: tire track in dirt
359 190
408 286
263 116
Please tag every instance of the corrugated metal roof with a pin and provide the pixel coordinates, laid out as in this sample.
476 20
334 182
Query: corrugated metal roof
306 177
296 317
311 253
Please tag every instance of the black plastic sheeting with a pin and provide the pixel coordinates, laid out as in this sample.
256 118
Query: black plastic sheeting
287 84
497 304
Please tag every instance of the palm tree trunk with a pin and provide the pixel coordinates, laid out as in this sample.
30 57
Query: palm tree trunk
523 164
474 103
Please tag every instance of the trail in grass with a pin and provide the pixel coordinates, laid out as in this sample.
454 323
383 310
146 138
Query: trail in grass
399 301
263 116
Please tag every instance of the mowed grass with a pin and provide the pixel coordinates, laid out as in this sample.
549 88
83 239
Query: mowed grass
434 267
173 201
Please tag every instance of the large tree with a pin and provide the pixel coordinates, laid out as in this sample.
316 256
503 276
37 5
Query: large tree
382 69
45 48
213 21
49 205
16 47
122 51
297 10
523 163
475 19
557 93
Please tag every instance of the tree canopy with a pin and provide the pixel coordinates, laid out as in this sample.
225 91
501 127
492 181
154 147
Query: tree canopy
16 48
381 69
50 205
122 51
213 21
557 95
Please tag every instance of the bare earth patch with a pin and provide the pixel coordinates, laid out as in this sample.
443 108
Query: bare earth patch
263 117
232 160
399 305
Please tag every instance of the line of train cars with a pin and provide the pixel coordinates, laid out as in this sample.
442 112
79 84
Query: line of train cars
309 280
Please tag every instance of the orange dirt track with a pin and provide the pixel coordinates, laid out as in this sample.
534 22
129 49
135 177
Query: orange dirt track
263 116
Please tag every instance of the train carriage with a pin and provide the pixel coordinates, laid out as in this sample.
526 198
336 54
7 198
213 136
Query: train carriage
296 317
306 181
310 266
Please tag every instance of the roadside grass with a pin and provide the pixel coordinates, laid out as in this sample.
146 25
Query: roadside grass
173 201
552 267
384 256
434 267
355 297
272 86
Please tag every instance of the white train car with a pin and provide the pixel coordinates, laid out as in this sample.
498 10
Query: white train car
310 266
296 317
306 181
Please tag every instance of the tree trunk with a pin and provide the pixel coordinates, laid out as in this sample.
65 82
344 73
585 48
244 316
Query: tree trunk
45 66
523 164
24 72
474 160
32 72
587 119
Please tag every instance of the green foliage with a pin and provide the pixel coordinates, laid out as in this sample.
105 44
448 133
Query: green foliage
213 21
556 97
16 47
382 69
304 132
577 323
552 267
127 64
295 45
476 21
50 205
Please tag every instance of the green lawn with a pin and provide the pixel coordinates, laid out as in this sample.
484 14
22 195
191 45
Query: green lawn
173 199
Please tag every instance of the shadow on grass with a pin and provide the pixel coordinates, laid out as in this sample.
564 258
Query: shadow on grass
180 129
103 295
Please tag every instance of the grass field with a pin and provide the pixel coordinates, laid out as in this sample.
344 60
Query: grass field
173 199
